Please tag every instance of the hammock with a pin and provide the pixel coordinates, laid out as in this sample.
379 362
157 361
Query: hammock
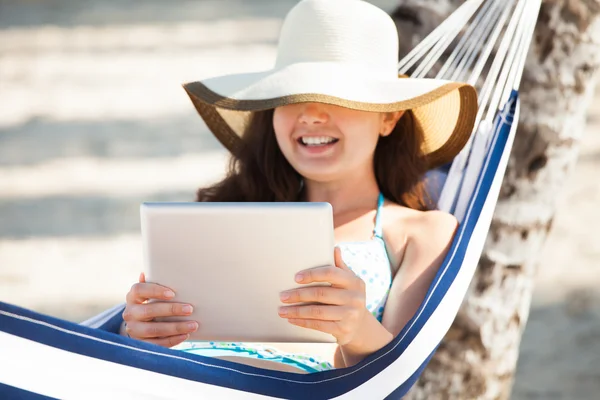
44 357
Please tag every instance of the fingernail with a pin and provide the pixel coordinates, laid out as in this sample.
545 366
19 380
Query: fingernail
169 293
187 309
192 325
284 295
299 277
283 310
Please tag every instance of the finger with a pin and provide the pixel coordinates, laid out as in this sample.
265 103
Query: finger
147 312
142 278
314 311
339 261
169 341
158 330
331 274
142 291
331 327
317 294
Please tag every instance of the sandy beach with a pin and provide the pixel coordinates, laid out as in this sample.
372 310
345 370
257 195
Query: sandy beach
94 121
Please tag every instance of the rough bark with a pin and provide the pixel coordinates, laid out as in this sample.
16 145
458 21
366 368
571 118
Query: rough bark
478 356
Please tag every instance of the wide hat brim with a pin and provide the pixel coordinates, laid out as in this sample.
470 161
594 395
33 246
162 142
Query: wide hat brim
444 111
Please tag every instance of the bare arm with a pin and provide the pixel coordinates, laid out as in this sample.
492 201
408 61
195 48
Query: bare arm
427 245
425 252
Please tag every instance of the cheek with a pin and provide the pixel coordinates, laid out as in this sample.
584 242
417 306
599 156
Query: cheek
362 137
364 147
282 124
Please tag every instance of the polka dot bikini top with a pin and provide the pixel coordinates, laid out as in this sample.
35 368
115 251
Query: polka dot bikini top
370 261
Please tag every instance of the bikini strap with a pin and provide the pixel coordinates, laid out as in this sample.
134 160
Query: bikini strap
378 230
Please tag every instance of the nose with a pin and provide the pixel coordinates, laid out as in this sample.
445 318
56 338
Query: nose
313 113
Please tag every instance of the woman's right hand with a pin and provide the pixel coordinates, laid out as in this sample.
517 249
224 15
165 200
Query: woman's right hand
139 315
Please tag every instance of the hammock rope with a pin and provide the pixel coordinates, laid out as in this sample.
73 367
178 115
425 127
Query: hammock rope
502 78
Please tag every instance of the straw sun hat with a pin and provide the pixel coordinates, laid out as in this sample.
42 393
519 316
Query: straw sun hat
345 53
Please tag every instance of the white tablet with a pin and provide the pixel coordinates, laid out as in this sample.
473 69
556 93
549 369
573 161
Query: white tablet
230 261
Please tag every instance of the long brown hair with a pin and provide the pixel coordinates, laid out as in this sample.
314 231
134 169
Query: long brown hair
261 173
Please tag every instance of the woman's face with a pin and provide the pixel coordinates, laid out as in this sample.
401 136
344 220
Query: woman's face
325 142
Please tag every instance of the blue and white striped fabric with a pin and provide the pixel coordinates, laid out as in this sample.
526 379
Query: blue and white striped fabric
43 357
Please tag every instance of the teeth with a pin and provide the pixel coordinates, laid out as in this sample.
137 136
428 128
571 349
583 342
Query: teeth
317 140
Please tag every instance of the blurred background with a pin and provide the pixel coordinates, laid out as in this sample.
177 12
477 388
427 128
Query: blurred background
93 121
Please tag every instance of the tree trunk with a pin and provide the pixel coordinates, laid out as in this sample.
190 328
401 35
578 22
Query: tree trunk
478 356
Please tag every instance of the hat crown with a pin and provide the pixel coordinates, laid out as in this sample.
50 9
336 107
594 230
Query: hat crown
341 31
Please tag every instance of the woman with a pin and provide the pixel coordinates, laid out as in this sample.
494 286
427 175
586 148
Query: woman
331 122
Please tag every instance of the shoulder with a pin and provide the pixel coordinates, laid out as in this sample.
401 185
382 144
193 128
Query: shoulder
413 235
433 225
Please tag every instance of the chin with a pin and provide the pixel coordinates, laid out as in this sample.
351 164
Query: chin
320 175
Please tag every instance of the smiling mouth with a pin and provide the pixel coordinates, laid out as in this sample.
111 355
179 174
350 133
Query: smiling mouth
315 141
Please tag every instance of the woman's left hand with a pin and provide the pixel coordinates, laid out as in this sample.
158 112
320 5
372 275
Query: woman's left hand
342 306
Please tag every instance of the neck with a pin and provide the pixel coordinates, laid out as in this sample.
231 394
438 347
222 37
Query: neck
352 192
